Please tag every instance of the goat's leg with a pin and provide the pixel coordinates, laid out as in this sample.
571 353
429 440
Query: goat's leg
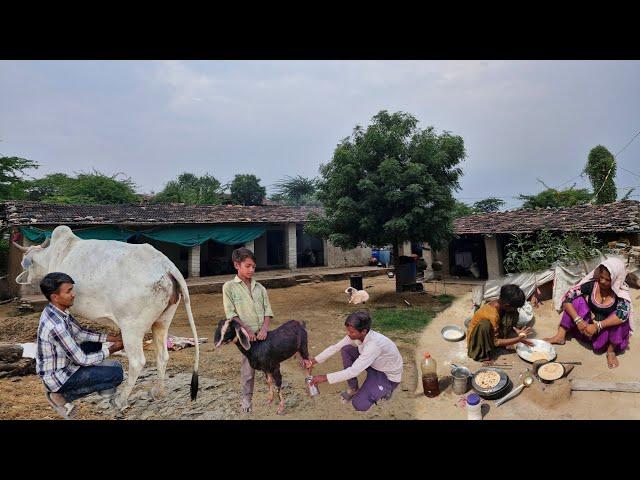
277 376
270 382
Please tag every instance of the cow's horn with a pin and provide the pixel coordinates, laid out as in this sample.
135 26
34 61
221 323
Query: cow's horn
20 247
46 242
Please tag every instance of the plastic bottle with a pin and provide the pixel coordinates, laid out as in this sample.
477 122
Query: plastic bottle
474 407
429 376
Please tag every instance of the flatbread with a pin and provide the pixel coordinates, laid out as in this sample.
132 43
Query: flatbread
538 356
550 371
487 379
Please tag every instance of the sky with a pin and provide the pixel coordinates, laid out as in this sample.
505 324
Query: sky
152 120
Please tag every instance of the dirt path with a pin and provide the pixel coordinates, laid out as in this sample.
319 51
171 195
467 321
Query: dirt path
322 305
538 401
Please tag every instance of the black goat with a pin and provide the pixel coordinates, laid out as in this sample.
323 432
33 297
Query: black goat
266 355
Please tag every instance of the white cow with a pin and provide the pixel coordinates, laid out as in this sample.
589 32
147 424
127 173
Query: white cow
135 286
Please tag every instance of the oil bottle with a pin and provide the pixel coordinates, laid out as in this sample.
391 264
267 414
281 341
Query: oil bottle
429 376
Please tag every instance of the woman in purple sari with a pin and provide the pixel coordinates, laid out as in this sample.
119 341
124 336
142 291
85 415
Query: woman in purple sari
598 310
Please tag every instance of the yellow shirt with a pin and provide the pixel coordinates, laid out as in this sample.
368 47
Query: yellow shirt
486 312
250 306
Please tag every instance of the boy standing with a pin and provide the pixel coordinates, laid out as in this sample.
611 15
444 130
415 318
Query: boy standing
246 301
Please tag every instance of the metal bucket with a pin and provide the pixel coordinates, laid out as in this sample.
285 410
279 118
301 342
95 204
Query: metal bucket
461 377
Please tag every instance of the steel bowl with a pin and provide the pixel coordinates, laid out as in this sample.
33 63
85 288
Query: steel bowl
452 328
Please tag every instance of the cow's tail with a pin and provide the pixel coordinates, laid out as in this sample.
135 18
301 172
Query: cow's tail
175 273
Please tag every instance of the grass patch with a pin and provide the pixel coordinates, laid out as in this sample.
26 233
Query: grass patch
403 319
444 298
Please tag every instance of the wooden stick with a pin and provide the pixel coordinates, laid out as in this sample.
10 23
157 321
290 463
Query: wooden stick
595 385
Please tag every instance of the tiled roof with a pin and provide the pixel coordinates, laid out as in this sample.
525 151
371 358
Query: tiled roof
15 213
612 217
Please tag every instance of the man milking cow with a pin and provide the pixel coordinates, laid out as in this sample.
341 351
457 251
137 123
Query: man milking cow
70 360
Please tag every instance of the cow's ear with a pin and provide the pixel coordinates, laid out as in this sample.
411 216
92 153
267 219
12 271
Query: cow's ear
243 337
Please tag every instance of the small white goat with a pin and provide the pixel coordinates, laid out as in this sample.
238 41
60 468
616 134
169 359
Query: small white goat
356 296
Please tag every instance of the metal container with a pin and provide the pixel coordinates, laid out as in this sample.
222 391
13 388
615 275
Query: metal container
461 377
313 389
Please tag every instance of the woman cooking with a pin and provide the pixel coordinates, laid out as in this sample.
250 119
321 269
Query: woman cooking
492 324
598 309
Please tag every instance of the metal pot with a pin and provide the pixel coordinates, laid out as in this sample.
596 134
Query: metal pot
461 376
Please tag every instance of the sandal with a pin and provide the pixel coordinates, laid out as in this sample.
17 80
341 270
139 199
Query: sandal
66 411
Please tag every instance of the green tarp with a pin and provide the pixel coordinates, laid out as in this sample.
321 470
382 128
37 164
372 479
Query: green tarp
108 232
187 236
191 235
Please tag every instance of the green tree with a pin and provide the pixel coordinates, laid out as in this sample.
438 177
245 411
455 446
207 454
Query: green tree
389 184
191 190
85 188
246 190
488 205
297 190
12 184
461 209
601 170
551 197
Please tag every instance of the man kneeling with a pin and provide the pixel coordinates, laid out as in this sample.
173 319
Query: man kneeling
363 349
68 369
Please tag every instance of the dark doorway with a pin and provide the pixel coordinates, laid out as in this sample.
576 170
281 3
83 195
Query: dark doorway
467 257
310 249
275 247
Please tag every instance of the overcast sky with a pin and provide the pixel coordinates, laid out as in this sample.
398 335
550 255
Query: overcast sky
520 120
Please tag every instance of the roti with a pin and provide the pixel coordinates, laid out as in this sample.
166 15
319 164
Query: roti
487 379
550 371
537 355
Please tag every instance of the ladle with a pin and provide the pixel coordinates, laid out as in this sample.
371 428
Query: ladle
527 380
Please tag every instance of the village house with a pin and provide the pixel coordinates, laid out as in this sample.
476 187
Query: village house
199 239
482 239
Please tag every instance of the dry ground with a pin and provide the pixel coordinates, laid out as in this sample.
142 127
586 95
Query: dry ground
538 401
322 305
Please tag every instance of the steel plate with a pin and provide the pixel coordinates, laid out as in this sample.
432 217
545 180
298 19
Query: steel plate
504 380
525 351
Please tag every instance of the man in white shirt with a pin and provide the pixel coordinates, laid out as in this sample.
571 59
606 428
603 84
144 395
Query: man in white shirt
363 349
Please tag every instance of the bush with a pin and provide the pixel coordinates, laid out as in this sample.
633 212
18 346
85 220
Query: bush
530 253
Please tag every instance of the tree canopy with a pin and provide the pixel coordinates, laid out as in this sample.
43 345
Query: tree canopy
12 183
601 170
389 184
246 190
296 191
85 188
551 197
191 190
488 205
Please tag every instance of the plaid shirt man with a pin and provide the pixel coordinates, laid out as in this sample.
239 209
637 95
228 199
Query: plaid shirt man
59 355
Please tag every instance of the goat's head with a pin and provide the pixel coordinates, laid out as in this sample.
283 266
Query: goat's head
231 331
350 291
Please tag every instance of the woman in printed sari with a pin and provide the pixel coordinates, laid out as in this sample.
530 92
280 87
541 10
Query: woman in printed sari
493 325
598 310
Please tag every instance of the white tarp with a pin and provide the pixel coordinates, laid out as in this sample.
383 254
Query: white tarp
563 276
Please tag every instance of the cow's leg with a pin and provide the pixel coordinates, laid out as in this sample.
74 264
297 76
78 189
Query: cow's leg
133 346
160 331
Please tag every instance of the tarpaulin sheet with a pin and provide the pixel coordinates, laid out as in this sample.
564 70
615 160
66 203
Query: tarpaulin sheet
107 232
191 235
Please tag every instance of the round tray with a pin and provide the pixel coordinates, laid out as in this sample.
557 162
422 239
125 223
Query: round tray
524 351
452 328
483 392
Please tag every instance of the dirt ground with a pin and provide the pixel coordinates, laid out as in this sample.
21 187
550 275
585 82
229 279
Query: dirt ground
539 401
322 305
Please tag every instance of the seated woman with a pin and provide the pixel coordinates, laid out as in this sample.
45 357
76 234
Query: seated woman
597 310
491 325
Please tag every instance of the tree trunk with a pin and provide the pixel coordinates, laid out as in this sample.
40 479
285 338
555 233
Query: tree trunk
10 352
396 252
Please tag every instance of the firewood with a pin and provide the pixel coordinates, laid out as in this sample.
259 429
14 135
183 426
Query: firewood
10 352
24 366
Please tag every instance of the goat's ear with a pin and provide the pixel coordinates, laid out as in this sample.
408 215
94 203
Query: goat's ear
223 331
243 337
